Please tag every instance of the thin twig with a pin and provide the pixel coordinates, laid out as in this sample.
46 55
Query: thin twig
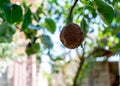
83 48
71 10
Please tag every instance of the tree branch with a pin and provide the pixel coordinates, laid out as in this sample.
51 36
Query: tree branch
78 71
96 52
99 52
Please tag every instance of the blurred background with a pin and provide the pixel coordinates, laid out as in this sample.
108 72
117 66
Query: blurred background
31 53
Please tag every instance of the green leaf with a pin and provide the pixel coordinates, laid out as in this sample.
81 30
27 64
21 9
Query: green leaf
39 11
45 39
85 1
2 2
116 47
50 25
59 58
6 32
105 11
30 33
84 26
27 19
12 13
32 48
94 14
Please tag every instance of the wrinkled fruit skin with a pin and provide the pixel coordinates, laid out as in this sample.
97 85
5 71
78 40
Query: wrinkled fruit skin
71 36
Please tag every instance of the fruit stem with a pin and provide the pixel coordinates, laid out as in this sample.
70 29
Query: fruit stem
71 10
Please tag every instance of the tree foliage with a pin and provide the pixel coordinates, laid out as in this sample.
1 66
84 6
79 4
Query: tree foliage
93 16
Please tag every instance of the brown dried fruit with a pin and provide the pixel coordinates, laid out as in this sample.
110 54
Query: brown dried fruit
71 36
